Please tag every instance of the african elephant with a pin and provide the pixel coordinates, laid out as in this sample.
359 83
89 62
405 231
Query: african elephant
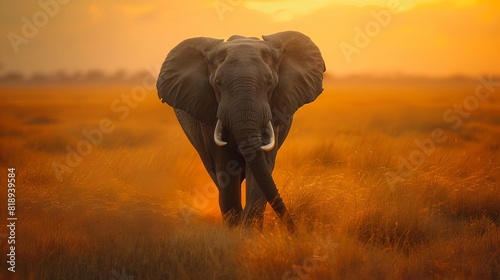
235 101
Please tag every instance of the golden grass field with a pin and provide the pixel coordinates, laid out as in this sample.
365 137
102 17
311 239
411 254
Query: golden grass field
141 206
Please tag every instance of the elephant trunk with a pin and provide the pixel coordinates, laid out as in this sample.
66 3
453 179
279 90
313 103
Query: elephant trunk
247 132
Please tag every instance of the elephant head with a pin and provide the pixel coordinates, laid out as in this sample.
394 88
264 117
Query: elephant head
239 87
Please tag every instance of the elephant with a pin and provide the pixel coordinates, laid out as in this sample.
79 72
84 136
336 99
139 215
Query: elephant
235 101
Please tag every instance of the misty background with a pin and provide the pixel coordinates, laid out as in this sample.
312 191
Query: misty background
96 41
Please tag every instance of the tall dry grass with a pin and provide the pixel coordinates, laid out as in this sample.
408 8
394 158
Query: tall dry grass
140 205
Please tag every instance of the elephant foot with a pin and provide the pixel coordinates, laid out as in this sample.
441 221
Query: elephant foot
254 223
253 214
232 218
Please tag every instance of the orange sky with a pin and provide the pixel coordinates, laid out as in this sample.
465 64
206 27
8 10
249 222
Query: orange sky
422 37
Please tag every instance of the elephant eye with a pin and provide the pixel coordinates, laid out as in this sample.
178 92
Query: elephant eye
217 82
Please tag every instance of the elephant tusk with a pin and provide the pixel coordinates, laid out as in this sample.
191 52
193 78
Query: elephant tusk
270 131
218 135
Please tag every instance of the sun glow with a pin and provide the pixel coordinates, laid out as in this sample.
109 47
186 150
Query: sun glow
109 35
287 10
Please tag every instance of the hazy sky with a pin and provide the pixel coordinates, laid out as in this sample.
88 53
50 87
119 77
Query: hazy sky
426 37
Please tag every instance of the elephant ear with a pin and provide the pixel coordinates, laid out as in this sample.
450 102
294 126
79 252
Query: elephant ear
300 69
183 82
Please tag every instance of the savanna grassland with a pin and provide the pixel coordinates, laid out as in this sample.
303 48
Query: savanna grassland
380 183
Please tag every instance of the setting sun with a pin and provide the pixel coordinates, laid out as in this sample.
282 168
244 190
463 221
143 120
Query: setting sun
286 10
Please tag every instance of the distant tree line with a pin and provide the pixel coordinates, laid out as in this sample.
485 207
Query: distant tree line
125 77
78 77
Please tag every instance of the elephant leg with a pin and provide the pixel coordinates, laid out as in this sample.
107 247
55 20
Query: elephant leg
199 135
220 163
230 197
255 203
